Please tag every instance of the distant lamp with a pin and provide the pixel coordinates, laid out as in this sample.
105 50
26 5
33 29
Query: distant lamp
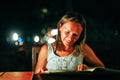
44 10
36 38
15 36
16 43
20 39
54 32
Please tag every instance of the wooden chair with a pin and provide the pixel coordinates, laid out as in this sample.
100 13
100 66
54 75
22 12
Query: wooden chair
35 51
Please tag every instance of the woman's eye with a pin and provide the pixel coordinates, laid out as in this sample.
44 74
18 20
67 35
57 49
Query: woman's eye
66 32
75 35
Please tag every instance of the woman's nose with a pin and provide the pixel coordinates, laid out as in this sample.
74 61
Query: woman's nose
70 37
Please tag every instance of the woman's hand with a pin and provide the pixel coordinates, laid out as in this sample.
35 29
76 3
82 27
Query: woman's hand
82 67
42 71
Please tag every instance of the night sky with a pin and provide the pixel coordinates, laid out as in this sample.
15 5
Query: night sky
27 15
103 26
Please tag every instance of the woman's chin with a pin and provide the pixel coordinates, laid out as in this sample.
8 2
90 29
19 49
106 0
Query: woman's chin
68 45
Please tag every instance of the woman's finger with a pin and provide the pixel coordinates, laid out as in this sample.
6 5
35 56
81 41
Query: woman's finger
80 67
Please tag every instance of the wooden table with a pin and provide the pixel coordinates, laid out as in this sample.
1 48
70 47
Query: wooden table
15 75
85 75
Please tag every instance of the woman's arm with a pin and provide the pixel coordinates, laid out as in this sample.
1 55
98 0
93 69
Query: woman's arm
42 59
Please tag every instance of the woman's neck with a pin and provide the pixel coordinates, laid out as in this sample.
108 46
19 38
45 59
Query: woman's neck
64 48
61 50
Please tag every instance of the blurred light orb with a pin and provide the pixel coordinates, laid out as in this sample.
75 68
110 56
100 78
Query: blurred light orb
20 39
16 43
44 10
15 36
20 43
36 38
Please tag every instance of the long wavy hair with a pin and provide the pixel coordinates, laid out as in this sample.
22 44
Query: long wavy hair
73 17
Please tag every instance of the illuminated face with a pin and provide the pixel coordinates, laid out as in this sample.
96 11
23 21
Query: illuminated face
70 33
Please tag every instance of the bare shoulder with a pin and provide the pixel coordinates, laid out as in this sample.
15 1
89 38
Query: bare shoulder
44 50
87 47
44 47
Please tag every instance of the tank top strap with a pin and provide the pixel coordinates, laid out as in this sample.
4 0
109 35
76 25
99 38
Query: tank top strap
50 51
50 48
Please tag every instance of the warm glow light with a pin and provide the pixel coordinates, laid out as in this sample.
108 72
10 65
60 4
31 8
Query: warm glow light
20 43
44 10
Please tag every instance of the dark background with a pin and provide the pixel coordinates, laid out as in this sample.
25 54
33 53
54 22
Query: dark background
27 18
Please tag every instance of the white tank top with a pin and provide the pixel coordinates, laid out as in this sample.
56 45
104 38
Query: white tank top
66 63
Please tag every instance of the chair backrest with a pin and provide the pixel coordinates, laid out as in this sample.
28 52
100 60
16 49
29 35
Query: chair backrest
35 52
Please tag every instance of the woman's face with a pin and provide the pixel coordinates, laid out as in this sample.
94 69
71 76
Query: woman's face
70 33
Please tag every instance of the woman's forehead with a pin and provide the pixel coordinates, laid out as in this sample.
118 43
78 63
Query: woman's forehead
72 25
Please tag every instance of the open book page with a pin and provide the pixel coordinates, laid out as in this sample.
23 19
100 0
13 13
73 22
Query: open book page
54 71
91 69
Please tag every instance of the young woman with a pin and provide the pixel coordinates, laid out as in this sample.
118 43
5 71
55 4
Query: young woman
69 50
